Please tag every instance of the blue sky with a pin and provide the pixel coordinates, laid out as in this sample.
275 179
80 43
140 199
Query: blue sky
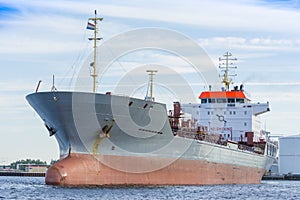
41 38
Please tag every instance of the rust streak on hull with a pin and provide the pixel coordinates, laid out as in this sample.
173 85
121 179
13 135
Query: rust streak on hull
86 170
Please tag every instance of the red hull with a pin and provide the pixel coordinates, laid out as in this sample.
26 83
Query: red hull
86 170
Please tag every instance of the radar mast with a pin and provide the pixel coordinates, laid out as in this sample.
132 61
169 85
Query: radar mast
225 66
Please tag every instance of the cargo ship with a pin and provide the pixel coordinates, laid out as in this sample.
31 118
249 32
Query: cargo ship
112 140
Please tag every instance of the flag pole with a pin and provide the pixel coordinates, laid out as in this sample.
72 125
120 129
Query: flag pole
94 73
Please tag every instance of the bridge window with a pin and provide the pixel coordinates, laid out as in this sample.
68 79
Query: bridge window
231 100
221 100
203 100
240 100
211 100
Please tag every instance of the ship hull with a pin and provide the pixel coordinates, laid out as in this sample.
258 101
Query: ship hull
90 172
97 148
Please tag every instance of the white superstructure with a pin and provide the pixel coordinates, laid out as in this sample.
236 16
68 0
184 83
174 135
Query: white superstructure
228 112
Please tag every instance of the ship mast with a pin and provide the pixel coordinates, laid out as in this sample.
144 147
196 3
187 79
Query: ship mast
151 75
95 38
226 66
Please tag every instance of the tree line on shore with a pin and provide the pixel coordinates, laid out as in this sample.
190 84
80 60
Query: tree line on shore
21 164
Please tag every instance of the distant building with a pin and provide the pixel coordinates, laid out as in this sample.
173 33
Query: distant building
5 168
274 171
33 168
36 168
289 155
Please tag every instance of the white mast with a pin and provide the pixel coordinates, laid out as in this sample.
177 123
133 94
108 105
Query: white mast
94 73
151 75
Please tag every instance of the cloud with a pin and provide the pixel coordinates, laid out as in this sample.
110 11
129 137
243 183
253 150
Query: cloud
48 27
226 14
274 83
254 44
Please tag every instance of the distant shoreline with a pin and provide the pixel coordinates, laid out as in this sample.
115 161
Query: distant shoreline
43 174
287 177
32 174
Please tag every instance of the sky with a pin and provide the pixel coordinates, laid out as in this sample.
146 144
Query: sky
41 38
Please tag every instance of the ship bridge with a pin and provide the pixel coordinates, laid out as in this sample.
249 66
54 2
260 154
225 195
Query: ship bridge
226 112
235 98
230 97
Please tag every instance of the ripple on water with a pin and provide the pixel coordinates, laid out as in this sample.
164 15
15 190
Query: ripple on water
26 188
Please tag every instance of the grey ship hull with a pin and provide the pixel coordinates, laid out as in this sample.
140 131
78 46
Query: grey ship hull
104 126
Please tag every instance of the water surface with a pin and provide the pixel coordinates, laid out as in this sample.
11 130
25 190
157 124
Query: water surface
34 188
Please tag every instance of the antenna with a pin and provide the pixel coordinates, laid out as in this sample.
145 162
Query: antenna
151 75
226 66
53 88
95 38
38 86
